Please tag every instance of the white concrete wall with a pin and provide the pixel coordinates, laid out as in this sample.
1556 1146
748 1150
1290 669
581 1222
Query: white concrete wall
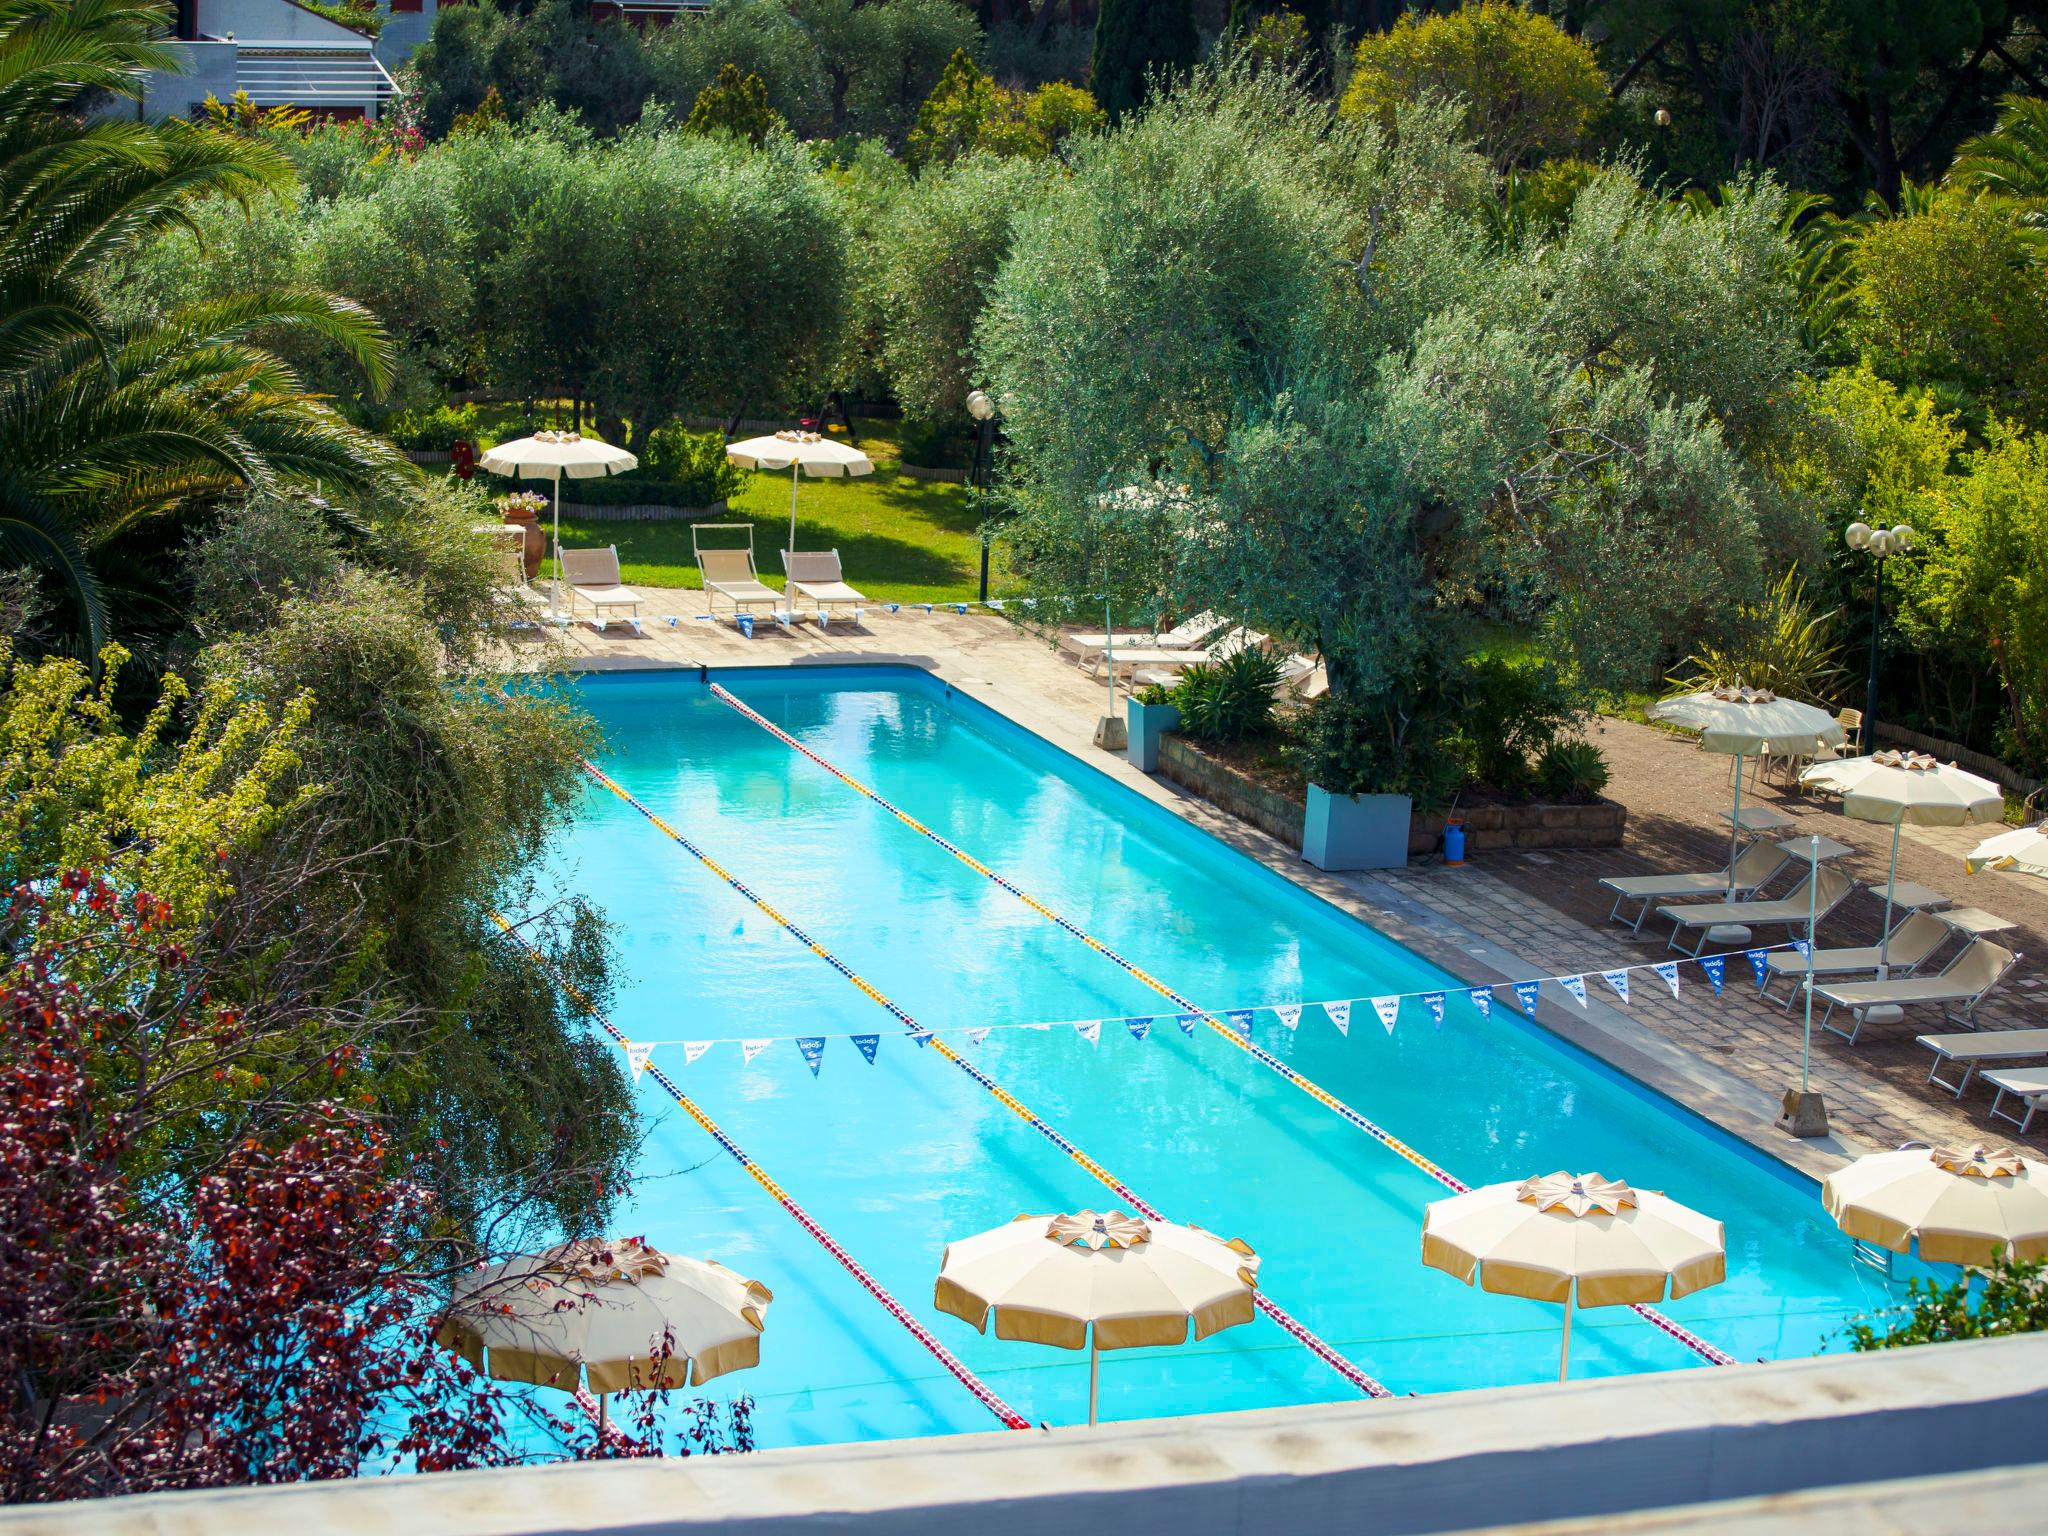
270 21
1403 1467
210 71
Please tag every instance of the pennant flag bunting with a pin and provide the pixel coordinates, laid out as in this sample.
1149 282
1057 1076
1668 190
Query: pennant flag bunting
636 1058
1434 1002
1090 1031
813 1047
1617 980
867 1045
1576 985
692 1049
920 1036
1801 945
1340 1015
1038 1026
1482 999
1389 1009
1139 1028
1240 1020
1527 991
753 1048
976 1036
1668 969
1187 1023
1290 1014
1759 964
1716 967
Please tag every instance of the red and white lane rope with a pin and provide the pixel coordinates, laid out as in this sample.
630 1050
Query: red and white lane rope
1323 1351
983 1393
1321 1095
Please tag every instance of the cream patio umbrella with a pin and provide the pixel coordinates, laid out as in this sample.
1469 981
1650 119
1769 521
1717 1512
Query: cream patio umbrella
549 456
1962 1206
1899 787
1099 1280
1542 1237
812 453
599 1312
1744 722
2023 850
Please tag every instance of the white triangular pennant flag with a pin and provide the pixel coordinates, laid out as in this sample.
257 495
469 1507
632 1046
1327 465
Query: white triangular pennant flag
752 1048
1617 980
692 1049
1668 969
1290 1014
1389 1009
1340 1015
1090 1031
976 1036
636 1058
1576 985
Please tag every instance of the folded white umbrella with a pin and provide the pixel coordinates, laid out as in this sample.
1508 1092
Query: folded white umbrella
1546 1238
1745 722
2025 849
549 456
600 1311
811 452
1098 1280
1962 1206
1898 787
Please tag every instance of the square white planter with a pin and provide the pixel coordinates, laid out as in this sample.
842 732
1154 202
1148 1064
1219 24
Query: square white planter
1355 831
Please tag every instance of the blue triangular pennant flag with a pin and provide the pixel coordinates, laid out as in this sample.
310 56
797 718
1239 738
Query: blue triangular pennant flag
1716 967
1187 1022
892 607
1240 1020
746 622
1289 1014
1617 980
919 1035
1527 991
1759 964
1389 1009
867 1045
813 1047
1434 1002
1482 999
1576 985
1139 1028
1090 1031
1801 945
1668 969
1340 1015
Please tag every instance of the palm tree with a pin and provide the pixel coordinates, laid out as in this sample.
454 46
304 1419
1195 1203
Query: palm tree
2011 161
107 427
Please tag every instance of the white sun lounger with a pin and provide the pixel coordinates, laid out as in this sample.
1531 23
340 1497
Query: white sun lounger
1982 1048
592 576
523 606
2028 1087
1755 867
1912 941
1964 983
1188 635
1792 911
1228 644
816 574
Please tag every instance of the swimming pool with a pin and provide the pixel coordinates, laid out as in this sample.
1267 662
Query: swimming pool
896 1157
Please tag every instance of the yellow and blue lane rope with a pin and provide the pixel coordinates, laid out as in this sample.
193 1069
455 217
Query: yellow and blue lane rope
983 1393
1299 1331
1321 1095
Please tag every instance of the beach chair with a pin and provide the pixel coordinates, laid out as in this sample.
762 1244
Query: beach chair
2027 1087
1957 990
1229 643
1912 941
1755 867
815 574
730 573
592 577
1792 911
1982 1048
1189 634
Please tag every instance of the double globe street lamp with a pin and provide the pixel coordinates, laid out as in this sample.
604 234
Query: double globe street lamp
1880 544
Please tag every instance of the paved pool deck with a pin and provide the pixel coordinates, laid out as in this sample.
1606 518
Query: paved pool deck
1500 918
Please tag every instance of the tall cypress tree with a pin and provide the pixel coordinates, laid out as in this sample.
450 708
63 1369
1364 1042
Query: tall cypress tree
1138 38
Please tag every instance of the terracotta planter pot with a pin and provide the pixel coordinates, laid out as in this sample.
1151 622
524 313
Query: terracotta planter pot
536 541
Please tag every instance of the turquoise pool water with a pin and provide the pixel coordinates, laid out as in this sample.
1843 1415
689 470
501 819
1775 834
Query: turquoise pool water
896 1157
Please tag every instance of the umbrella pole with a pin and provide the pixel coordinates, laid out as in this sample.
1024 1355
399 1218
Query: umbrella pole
1884 945
555 587
1094 1375
1564 1355
601 1412
1109 654
1735 826
1812 918
788 592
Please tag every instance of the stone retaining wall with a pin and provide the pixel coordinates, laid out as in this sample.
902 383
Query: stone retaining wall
1221 785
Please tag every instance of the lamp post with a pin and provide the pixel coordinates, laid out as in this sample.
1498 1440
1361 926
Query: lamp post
1880 544
982 407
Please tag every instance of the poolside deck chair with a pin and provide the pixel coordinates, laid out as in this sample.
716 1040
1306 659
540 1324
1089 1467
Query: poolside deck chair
1982 1048
1790 912
1187 635
1961 985
1919 935
730 574
1755 867
816 575
2028 1087
1229 643
592 577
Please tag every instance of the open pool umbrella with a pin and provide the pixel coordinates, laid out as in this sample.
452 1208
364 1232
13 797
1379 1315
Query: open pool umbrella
1745 722
1542 1237
599 1311
2024 850
1099 1280
1963 1206
1899 787
549 456
812 453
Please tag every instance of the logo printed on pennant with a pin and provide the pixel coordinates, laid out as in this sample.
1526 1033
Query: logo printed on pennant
813 1047
1716 967
1091 1031
636 1058
692 1049
976 1036
1668 969
1434 1002
1528 991
1617 980
1187 1023
752 1048
1340 1015
1759 964
1290 1014
1240 1020
1576 985
867 1045
1139 1028
1389 1009
1482 999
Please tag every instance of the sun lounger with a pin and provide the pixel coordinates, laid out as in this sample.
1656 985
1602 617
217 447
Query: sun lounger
1982 1048
523 606
1227 644
1912 941
815 574
729 573
1755 867
1961 986
1188 635
1791 911
2028 1087
592 576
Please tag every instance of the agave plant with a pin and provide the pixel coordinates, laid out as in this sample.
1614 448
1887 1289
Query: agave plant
103 427
1783 644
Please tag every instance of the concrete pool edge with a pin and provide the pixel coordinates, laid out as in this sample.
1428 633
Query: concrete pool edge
1402 1467
1691 1085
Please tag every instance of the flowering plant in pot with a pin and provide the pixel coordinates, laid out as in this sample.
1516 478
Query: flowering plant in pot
522 510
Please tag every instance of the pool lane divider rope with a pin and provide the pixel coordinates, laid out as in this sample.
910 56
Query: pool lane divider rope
1321 1095
983 1393
1356 1375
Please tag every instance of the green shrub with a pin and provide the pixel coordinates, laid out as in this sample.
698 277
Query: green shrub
434 431
1231 699
2005 1298
942 444
1392 743
1154 694
1572 768
1509 717
693 464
